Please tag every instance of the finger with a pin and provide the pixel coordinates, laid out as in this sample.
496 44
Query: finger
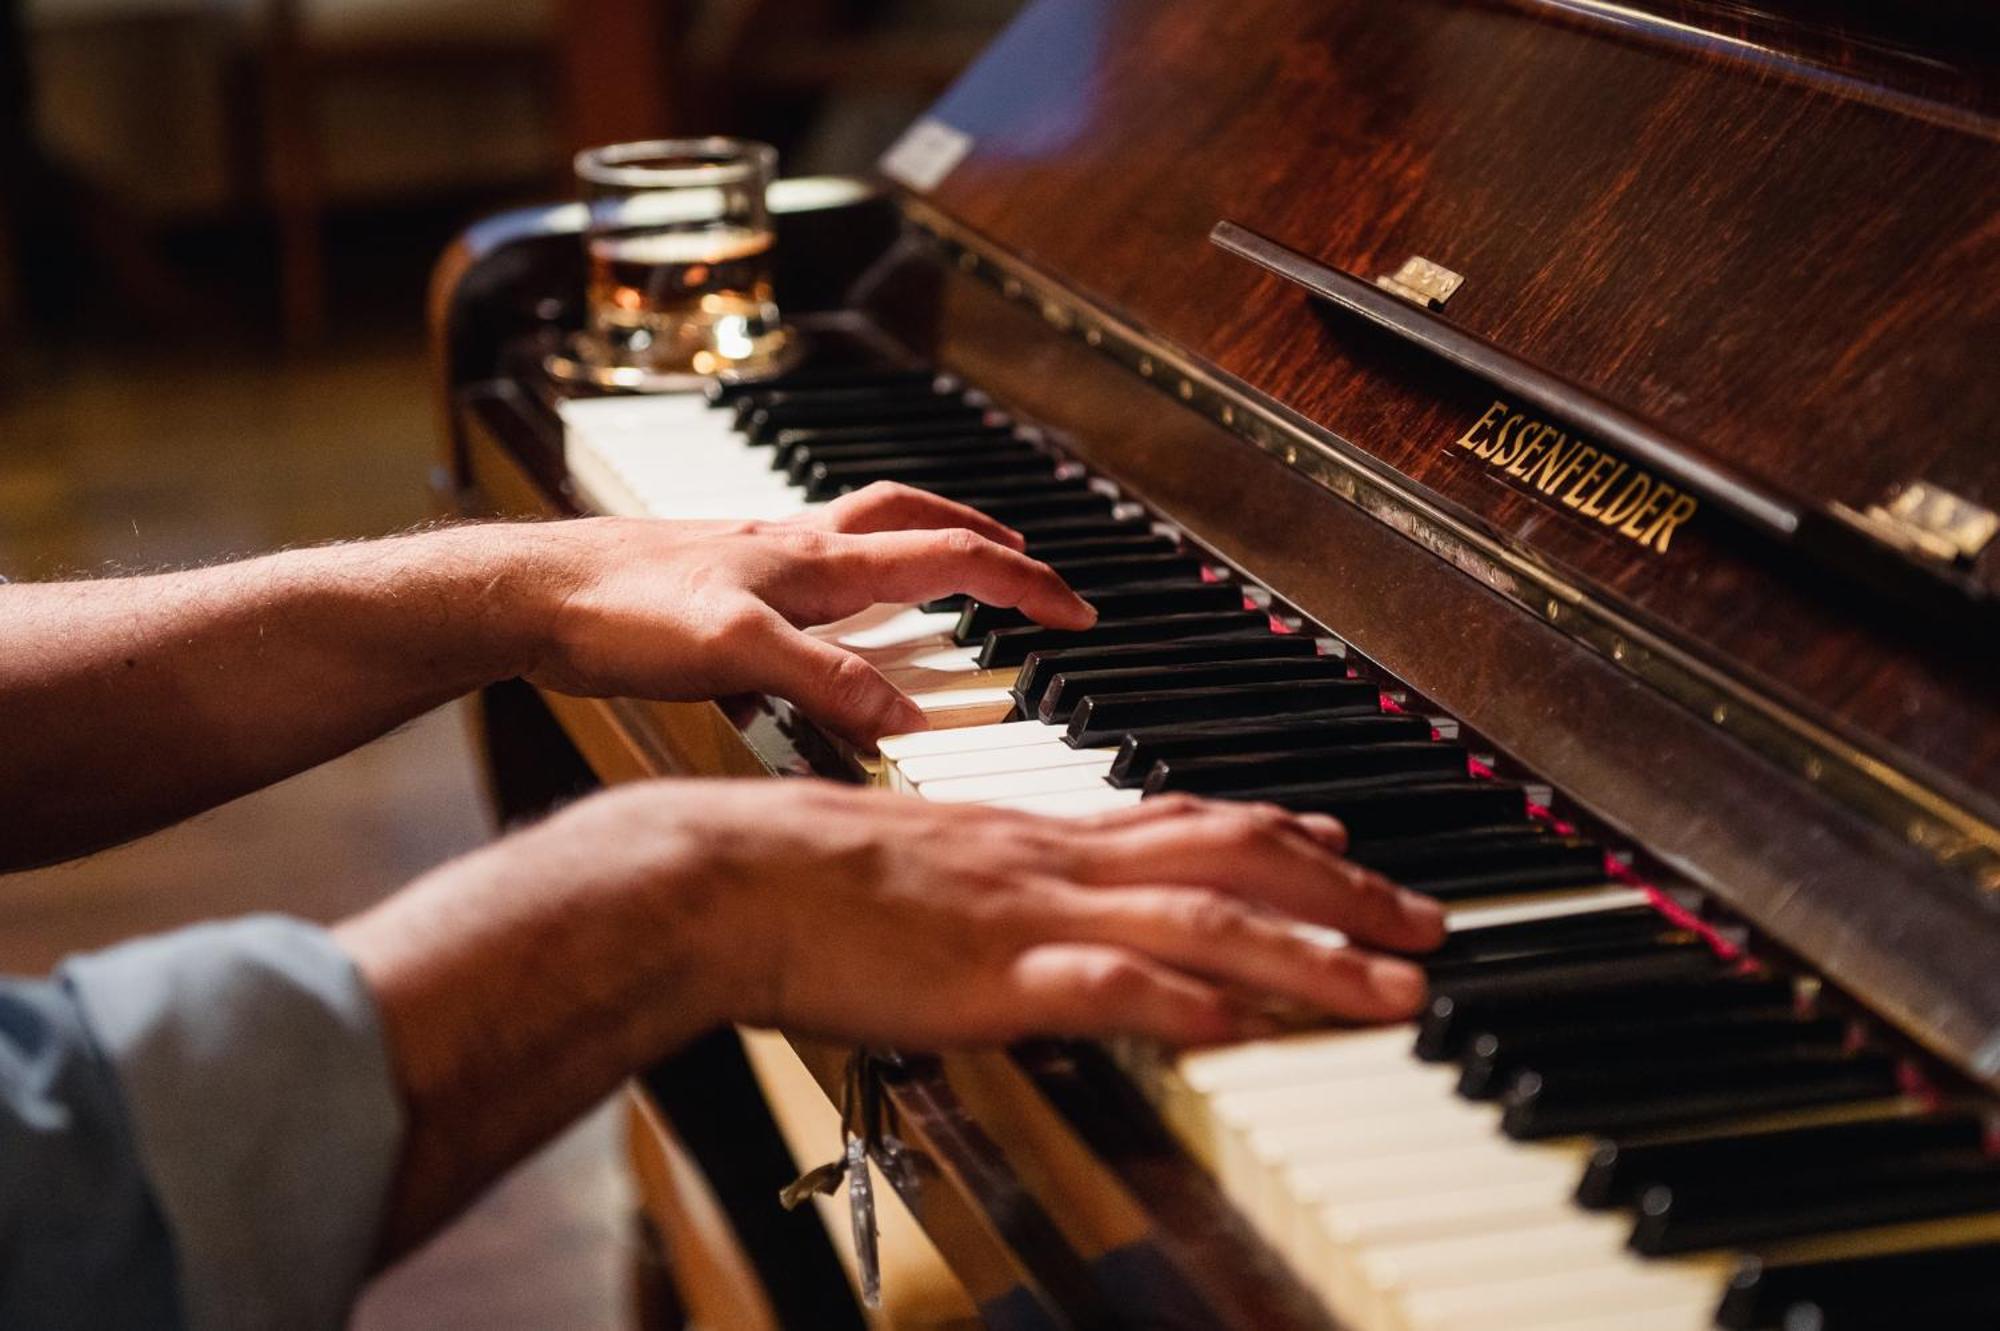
914 566
1094 990
1223 938
832 685
1323 829
1261 853
889 506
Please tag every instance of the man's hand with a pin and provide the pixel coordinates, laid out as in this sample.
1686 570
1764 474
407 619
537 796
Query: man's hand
677 610
520 983
201 685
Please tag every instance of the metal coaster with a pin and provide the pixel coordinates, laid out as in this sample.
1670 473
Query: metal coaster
580 363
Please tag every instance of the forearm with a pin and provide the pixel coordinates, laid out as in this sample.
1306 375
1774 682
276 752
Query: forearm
129 703
519 986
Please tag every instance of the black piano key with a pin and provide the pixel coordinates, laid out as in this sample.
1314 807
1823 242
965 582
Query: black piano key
1110 545
1005 648
1105 720
1727 1213
762 425
1491 1060
1088 573
1972 1305
1487 861
866 440
1338 728
1125 570
836 398
1185 597
1039 669
1220 776
1069 687
825 480
1492 1063
1561 935
1667 1093
1042 529
1397 807
976 492
1620 1171
810 377
1678 982
1886 1292
1025 512
798 460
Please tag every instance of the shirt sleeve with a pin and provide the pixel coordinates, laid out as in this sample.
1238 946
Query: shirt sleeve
249 1063
82 1243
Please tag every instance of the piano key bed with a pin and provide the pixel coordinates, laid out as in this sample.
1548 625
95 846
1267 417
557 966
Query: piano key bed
1610 1116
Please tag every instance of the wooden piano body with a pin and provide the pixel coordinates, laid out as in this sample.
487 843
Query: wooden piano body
1623 498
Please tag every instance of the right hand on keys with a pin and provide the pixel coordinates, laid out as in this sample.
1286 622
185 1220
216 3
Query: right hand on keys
520 983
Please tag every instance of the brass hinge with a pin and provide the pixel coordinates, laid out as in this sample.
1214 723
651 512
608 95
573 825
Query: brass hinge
1422 282
1930 521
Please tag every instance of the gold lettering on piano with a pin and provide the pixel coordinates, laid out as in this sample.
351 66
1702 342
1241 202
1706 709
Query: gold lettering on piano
1581 476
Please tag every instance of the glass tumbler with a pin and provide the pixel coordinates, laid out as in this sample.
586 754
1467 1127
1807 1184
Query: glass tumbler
679 241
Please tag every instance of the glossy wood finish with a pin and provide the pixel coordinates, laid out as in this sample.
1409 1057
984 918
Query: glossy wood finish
1878 917
1777 260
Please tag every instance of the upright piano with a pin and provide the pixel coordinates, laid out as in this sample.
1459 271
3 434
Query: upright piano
1556 436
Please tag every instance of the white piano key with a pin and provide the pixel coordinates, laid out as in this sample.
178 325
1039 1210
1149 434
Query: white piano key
884 626
973 739
930 657
1259 1159
1390 1273
1478 915
1028 758
1051 752
1300 1057
1627 1294
1012 785
1072 803
937 701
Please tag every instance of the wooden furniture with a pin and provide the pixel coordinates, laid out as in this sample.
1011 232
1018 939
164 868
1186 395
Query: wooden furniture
1662 472
296 48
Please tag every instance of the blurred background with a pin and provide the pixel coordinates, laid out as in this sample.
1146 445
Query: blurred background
216 222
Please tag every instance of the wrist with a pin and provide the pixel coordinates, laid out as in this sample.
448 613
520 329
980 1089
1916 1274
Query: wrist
514 578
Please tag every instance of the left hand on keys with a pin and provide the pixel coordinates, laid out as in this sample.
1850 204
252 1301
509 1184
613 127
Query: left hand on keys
681 610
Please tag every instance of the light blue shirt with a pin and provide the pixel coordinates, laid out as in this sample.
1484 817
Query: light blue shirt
197 1130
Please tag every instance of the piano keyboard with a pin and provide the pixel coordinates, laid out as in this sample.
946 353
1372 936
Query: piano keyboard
1606 1118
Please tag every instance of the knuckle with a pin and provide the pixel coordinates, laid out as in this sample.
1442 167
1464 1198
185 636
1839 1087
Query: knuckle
1113 981
853 680
736 625
961 543
890 494
1212 917
1175 805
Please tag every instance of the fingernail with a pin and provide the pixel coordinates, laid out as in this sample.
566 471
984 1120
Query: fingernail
1397 983
1089 611
1318 935
1420 911
1325 827
905 718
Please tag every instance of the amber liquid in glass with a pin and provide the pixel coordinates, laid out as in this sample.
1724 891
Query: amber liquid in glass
693 300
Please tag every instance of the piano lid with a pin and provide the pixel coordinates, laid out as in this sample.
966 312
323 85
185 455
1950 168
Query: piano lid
1771 245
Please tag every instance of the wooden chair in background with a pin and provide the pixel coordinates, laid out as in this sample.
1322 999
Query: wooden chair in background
298 48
